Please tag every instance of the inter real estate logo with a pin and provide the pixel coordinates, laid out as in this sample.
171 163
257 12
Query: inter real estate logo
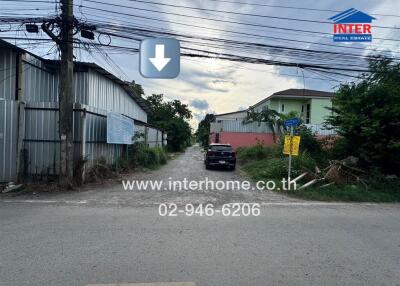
352 26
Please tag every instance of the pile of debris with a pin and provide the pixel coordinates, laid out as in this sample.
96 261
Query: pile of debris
9 187
338 172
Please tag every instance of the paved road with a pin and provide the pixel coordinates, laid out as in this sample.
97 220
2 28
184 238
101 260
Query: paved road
44 244
102 234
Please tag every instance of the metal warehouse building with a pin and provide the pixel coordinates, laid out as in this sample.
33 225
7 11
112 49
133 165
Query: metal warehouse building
29 138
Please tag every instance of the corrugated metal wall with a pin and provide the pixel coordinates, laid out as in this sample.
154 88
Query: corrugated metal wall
8 63
8 140
42 85
255 127
238 126
96 146
106 94
41 141
8 115
93 92
154 137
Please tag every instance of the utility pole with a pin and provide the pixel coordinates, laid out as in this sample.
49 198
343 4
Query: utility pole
66 94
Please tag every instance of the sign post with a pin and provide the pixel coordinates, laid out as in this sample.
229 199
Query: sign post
290 154
292 143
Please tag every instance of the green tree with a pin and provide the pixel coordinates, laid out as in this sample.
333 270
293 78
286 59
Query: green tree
272 118
367 116
137 88
203 130
172 117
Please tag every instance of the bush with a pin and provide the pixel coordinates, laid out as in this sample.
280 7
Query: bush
277 168
100 171
122 164
161 155
302 163
258 152
148 157
267 169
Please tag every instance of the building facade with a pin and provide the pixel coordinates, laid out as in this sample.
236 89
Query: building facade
310 105
29 137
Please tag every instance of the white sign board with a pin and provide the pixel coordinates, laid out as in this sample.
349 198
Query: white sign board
120 129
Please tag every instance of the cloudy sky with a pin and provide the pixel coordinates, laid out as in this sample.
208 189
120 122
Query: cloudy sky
219 86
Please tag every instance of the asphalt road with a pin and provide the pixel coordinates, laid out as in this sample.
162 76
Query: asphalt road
102 234
44 244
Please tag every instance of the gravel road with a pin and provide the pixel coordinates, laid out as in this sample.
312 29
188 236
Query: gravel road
188 165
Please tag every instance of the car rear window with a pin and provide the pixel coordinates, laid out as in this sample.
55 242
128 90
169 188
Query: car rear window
221 148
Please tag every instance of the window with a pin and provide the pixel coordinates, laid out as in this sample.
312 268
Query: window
282 108
221 148
308 113
302 108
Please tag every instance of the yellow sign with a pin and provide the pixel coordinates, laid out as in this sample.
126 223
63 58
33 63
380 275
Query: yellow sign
294 143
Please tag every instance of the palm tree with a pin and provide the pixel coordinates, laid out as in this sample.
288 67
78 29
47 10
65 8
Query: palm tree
273 119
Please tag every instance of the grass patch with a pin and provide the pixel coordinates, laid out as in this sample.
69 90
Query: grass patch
377 193
262 163
276 168
258 152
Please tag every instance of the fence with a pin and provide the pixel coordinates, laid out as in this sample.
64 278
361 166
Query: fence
239 126
8 139
41 142
320 130
255 127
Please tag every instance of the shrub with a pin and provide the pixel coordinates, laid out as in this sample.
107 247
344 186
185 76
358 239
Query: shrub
162 155
266 169
258 152
277 168
100 171
302 163
310 144
148 157
122 164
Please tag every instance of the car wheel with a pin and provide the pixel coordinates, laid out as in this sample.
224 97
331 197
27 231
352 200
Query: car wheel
207 167
233 167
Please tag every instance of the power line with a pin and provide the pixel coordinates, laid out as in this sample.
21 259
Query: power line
201 18
244 34
294 7
245 14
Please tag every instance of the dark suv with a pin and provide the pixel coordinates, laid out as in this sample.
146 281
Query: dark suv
220 155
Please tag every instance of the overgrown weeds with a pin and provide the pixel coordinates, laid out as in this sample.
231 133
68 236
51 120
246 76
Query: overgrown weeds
144 156
139 156
265 163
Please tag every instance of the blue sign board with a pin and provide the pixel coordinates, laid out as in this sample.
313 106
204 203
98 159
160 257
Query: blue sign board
119 129
292 122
